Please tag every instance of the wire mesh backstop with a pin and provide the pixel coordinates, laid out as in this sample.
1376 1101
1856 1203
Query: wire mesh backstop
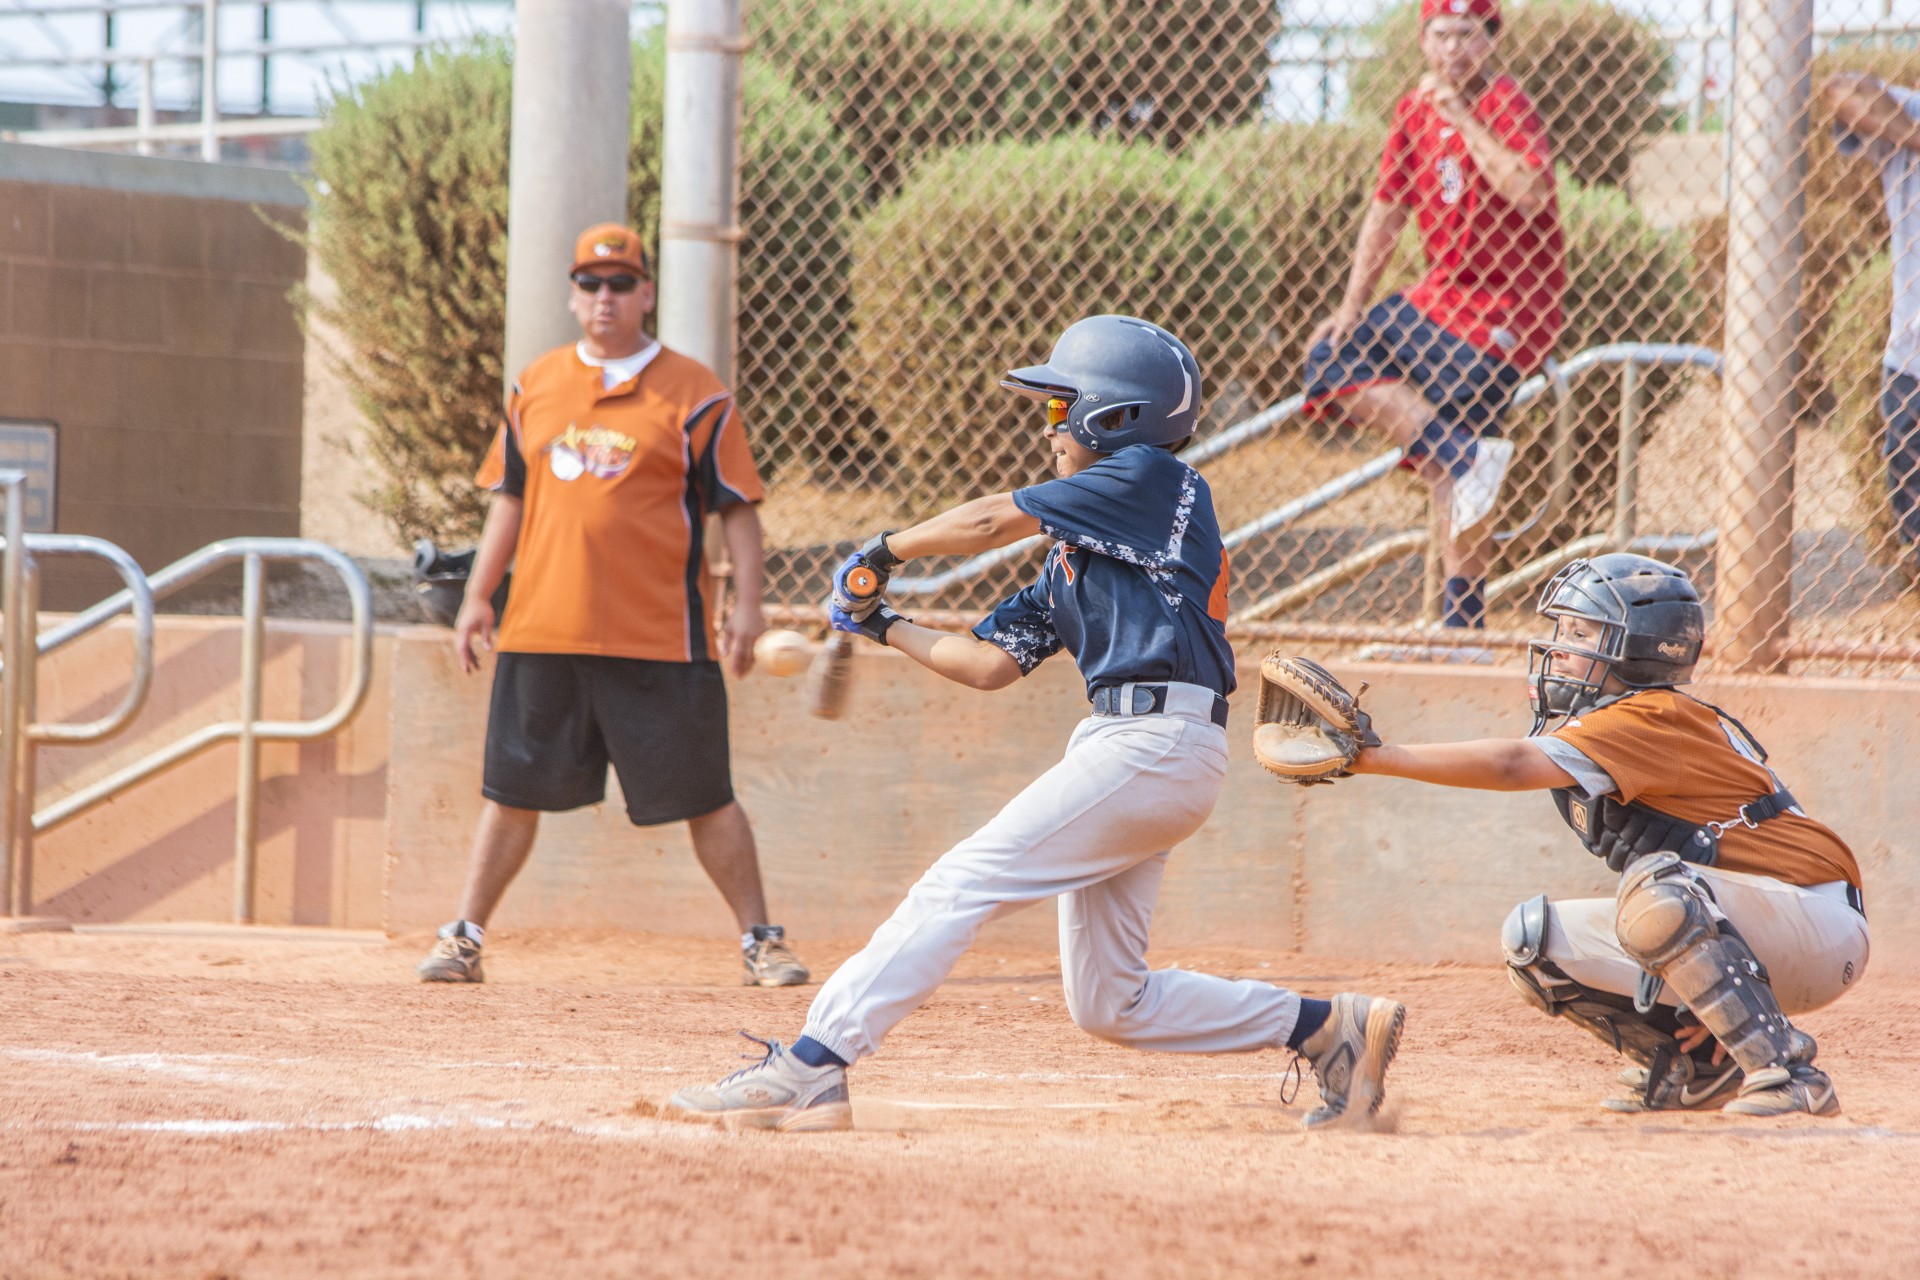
933 189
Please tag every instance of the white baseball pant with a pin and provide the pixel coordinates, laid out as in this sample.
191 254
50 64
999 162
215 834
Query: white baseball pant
1812 942
1095 829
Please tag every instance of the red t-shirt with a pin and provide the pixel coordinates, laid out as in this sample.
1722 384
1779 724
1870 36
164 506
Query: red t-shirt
1495 274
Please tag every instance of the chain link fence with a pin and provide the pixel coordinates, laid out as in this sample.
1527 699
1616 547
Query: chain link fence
950 183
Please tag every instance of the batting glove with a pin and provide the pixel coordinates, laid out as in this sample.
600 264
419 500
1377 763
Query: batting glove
872 619
873 564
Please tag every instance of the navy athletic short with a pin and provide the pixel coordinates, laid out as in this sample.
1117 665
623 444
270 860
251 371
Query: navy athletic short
558 720
1395 342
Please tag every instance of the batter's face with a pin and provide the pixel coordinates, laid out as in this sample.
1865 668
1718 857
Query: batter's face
1070 457
1457 49
610 322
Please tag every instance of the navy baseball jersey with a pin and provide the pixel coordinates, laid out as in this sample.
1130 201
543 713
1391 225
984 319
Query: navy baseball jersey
1135 586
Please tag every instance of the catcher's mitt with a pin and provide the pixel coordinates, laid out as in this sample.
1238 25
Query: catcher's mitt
1310 728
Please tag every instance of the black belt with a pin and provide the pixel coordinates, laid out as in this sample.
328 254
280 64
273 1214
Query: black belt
1148 700
1857 900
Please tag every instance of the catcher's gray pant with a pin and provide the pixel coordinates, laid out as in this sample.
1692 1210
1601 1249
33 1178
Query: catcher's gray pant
1812 942
1095 829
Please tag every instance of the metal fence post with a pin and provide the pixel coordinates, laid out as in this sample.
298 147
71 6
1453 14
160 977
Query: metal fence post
11 739
26 762
246 794
210 80
567 170
1773 54
699 181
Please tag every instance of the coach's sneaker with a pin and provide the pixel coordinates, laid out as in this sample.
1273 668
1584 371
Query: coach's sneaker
454 958
1780 1091
778 1092
1350 1056
1687 1084
768 961
1475 493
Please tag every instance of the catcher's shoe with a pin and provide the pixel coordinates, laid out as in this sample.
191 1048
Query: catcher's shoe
1686 1085
1350 1056
1475 493
454 958
1780 1091
778 1092
769 962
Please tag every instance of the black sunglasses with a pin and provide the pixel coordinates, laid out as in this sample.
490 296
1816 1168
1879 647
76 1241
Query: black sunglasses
586 283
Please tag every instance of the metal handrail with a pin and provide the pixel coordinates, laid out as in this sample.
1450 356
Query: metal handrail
1556 377
249 730
141 596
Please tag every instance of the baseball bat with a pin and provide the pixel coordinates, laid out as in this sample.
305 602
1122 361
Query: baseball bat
830 678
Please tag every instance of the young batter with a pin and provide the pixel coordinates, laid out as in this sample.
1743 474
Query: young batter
1735 908
1135 589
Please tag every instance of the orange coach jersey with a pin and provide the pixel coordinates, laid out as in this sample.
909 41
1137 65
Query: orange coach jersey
616 484
1672 752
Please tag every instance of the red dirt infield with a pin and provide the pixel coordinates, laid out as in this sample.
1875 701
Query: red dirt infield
211 1103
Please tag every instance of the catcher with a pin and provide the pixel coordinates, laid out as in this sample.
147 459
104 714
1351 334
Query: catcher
1134 588
1735 908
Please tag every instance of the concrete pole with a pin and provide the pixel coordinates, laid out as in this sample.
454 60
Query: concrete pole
1767 134
700 181
210 80
572 74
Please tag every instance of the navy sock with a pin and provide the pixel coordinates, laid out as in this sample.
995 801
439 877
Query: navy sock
1313 1016
815 1054
1463 603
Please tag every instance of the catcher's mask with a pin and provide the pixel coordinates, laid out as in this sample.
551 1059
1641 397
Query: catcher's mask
1127 382
1650 624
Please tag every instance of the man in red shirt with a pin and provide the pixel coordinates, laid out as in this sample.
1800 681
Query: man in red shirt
1435 367
614 451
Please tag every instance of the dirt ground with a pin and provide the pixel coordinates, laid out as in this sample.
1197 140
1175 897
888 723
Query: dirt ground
204 1103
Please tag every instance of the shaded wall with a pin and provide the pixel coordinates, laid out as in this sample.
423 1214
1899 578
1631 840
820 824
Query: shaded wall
144 310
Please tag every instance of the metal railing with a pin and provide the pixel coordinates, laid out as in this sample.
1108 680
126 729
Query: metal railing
1557 378
20 824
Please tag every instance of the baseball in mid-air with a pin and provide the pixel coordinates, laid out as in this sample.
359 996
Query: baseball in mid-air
783 653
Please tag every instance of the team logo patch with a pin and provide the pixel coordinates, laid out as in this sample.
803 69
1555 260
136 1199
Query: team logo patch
1453 180
595 451
607 248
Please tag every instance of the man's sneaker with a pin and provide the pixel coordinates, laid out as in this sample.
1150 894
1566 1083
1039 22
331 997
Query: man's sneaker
768 961
454 958
1476 492
1686 1085
1780 1091
1350 1056
779 1092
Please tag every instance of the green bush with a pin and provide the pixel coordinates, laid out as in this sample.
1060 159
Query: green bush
1305 187
1131 68
901 78
1850 349
1594 73
976 266
409 220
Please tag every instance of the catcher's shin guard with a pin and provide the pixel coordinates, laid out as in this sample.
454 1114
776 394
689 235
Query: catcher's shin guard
1547 988
1664 924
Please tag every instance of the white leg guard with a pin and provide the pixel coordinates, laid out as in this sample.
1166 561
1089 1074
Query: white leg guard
1666 926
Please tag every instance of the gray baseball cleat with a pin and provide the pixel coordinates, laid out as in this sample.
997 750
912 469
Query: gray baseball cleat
779 1092
769 961
1686 1085
454 958
1780 1091
1350 1055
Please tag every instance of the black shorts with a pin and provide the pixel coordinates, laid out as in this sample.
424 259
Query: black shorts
558 720
1395 342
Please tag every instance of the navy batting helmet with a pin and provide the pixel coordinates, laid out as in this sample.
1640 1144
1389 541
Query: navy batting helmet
1130 382
1650 624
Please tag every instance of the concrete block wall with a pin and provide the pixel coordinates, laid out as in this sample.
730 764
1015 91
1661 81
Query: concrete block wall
144 310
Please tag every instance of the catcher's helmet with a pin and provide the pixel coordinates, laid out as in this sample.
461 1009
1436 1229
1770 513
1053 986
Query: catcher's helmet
1131 382
1650 622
